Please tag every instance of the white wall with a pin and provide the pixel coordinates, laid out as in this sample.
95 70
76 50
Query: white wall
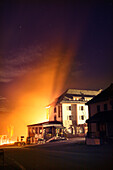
65 115
83 112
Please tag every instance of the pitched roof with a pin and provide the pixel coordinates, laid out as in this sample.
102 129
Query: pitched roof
105 116
103 96
48 122
70 93
84 92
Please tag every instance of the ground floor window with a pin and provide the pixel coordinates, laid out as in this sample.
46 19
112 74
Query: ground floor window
80 130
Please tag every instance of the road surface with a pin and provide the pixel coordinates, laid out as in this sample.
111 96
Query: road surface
60 156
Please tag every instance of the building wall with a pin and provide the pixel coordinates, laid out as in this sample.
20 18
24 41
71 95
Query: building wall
100 107
66 115
93 107
78 113
54 112
35 132
82 113
74 114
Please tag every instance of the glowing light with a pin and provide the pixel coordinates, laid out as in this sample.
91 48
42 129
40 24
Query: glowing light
35 90
5 140
47 106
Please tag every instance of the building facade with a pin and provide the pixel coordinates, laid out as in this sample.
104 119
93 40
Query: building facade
100 122
70 109
44 131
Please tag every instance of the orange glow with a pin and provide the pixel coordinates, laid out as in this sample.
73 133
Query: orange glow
44 81
5 140
35 90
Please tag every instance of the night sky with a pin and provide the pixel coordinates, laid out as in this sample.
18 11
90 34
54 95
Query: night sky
47 47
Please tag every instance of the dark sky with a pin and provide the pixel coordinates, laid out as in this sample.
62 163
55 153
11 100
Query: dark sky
48 46
34 27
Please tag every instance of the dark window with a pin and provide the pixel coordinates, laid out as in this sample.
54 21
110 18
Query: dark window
58 111
55 118
97 126
82 117
89 111
54 109
98 108
81 108
105 107
61 110
36 130
70 117
58 114
69 107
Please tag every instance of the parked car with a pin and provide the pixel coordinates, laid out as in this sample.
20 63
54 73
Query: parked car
19 143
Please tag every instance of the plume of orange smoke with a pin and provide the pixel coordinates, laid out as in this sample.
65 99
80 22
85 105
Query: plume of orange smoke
37 89
31 93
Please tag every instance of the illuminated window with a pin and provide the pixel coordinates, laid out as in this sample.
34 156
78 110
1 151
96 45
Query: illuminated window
79 130
40 130
74 98
47 113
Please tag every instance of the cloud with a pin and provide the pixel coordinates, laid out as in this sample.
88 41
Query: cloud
16 65
3 104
